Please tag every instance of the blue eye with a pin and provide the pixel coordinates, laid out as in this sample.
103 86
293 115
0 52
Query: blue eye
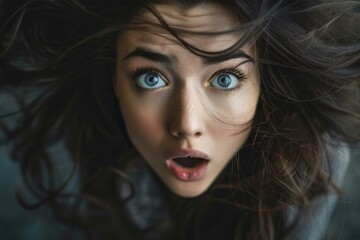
225 81
151 81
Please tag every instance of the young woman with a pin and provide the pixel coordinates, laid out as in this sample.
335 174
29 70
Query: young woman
183 119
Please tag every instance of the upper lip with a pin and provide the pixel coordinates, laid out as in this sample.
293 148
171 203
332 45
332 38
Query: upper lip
188 152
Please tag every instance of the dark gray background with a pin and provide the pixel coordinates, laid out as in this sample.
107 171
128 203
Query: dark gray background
19 224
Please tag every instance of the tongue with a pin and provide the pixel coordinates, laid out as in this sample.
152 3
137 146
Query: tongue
188 162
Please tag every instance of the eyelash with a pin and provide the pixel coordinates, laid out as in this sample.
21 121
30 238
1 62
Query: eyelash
234 71
142 70
148 69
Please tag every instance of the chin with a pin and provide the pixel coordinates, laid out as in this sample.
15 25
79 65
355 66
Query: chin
189 189
188 194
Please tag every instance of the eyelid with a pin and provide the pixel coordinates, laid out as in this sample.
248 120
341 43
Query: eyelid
139 71
239 74
146 69
235 71
232 70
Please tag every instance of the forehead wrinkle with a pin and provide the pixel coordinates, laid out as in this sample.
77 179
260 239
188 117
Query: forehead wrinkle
181 11
195 17
148 35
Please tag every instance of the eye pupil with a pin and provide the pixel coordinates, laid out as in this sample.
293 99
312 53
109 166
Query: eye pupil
224 80
151 79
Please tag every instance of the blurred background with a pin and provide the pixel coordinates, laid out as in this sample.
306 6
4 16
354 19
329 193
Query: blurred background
17 223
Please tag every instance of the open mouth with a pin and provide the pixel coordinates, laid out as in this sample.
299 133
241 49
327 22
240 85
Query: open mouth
187 168
189 162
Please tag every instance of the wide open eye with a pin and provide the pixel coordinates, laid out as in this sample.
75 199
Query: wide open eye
225 81
151 80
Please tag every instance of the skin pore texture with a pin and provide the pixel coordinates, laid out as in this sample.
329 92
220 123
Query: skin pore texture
175 102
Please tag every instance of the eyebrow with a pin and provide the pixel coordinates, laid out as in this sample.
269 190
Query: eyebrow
165 59
222 58
153 56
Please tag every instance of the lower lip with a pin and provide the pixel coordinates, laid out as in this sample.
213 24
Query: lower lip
187 174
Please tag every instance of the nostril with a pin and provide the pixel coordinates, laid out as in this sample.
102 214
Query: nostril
186 125
198 134
185 134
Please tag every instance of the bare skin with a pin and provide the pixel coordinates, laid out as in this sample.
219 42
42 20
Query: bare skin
174 101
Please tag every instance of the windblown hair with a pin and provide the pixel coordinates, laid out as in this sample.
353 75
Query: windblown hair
57 60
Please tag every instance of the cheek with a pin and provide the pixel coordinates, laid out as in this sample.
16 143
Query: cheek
138 125
243 106
142 120
238 111
143 131
245 110
235 127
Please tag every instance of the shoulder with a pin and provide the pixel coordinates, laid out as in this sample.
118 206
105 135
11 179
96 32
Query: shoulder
314 219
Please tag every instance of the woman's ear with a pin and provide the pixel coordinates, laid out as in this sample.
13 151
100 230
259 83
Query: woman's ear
114 85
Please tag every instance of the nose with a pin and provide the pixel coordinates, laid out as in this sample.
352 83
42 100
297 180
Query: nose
186 115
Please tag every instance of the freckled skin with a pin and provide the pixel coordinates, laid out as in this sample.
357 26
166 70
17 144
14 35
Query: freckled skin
186 112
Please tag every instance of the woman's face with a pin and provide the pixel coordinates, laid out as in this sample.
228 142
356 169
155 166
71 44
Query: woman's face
187 116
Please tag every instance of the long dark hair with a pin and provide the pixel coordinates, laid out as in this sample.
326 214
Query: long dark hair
57 60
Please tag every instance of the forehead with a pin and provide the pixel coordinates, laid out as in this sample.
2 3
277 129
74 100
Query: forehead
208 26
206 17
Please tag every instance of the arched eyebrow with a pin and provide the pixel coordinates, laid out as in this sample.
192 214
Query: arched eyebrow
151 55
222 58
171 60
